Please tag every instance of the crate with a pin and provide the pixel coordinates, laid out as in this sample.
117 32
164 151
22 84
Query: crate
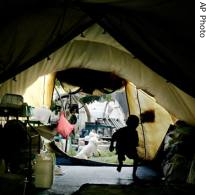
12 100
13 105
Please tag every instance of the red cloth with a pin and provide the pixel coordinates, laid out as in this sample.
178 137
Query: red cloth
64 127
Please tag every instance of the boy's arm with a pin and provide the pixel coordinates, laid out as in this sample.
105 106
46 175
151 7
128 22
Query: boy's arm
137 140
113 139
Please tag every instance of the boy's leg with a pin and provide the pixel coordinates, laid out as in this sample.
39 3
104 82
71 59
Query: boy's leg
135 166
121 158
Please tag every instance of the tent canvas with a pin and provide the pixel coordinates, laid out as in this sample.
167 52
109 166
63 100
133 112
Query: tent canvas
159 33
101 52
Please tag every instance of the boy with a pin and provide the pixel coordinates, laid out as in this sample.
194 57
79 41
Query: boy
127 140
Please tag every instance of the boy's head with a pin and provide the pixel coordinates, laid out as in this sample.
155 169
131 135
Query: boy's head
132 121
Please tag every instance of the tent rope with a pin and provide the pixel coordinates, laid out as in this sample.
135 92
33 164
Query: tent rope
142 127
62 104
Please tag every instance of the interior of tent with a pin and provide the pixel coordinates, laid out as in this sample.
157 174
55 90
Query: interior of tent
143 47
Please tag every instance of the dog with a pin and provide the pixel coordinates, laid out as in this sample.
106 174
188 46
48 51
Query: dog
90 149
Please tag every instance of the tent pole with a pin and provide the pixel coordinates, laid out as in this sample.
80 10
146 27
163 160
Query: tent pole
142 127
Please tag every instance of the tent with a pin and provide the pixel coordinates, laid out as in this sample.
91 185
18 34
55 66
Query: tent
149 43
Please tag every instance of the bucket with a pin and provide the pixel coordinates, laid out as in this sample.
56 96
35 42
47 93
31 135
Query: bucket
44 170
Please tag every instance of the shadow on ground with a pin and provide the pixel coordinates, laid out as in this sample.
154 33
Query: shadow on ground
135 189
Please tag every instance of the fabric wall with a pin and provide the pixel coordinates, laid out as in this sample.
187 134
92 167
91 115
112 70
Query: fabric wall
151 134
41 91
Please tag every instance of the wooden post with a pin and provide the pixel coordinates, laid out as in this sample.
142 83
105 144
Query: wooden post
66 146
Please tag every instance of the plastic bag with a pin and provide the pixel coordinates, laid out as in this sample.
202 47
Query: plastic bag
64 127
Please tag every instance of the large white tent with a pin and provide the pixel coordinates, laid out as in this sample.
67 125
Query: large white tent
148 43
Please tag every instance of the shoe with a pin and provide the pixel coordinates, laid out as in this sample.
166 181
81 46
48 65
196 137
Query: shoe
58 170
119 168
